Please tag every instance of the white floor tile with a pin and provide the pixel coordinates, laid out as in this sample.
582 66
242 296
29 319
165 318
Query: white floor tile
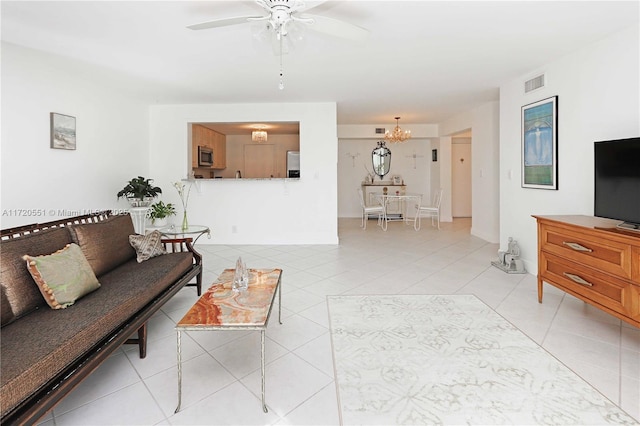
233 405
242 356
321 409
114 374
132 405
289 381
202 376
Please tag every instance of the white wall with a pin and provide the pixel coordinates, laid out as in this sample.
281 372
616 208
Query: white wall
484 124
248 211
485 149
361 139
598 99
111 130
352 170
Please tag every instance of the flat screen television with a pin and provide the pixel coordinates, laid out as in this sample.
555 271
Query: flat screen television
617 181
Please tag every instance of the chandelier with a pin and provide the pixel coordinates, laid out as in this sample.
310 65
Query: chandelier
398 135
259 136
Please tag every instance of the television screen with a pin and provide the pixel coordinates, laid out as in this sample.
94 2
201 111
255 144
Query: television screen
617 180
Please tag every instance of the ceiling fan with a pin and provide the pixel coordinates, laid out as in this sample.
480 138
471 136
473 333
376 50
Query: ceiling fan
283 16
283 13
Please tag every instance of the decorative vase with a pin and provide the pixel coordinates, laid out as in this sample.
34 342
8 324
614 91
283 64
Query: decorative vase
160 222
185 222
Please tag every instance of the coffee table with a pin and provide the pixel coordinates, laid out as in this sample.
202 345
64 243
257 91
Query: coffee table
220 308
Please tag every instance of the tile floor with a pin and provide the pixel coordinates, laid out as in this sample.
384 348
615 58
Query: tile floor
221 382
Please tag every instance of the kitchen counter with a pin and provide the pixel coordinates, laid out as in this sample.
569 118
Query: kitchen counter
241 179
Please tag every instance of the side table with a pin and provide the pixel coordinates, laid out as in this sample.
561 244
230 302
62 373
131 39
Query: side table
197 230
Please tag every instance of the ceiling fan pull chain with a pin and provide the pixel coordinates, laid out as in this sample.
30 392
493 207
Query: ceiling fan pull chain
281 83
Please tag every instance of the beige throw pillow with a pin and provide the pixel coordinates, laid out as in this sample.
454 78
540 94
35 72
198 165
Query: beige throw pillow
62 277
147 246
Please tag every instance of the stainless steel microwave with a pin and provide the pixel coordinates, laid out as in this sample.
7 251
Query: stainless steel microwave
205 156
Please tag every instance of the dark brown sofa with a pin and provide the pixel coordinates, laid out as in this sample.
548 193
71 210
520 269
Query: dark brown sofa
46 352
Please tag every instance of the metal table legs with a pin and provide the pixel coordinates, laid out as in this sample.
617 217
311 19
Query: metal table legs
262 330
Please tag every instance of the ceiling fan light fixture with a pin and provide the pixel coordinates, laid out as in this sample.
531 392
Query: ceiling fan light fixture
259 136
398 135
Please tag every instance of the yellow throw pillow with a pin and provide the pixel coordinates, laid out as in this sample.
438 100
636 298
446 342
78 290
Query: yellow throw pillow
62 277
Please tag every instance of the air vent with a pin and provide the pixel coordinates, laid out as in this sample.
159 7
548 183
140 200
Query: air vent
380 130
534 83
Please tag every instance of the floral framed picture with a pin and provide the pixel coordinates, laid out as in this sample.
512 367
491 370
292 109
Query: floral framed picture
540 144
63 131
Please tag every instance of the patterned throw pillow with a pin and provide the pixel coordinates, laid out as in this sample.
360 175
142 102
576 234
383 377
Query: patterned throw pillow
147 246
62 277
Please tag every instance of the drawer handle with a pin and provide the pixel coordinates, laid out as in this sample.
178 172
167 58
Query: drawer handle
577 247
577 279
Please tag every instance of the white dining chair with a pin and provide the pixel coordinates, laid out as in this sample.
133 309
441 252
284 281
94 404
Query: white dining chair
378 210
432 211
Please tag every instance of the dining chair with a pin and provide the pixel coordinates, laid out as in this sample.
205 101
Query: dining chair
378 210
432 211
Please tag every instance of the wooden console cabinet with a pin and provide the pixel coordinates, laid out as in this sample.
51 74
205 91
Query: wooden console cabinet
593 260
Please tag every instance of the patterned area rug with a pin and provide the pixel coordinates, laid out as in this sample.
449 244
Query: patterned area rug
450 360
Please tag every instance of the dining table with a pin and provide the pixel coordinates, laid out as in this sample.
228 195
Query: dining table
403 198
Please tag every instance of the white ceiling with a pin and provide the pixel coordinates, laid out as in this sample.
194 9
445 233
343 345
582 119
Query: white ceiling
424 60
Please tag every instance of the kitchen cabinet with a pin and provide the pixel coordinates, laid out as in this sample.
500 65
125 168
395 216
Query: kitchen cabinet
217 142
219 147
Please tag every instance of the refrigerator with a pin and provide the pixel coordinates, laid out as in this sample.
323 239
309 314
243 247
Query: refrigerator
293 164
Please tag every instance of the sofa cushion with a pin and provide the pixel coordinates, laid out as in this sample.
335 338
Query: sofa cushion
40 345
6 312
62 277
105 244
21 292
147 246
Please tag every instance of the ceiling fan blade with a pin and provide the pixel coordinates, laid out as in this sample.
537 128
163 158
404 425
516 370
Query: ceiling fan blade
336 27
216 23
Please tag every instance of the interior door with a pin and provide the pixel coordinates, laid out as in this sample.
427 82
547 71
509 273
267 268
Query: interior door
461 179
259 161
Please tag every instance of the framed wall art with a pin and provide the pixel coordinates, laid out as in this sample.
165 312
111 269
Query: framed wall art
63 131
540 144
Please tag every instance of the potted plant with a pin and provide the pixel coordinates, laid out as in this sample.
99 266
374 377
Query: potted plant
160 212
140 192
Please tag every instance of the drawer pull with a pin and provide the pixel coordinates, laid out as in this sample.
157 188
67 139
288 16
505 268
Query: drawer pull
577 247
577 279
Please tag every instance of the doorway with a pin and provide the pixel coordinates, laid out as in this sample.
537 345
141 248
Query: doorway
461 177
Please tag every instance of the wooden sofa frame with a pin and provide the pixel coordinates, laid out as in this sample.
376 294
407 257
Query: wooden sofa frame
42 401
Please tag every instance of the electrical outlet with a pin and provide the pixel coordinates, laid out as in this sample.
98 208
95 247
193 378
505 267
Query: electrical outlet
234 229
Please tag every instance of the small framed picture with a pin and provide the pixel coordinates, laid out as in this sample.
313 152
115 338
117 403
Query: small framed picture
397 179
63 131
434 155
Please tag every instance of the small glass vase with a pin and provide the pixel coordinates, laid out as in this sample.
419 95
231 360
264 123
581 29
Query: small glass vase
240 277
185 222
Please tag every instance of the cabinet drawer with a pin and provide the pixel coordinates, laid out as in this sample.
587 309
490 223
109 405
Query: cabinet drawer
610 256
615 294
635 265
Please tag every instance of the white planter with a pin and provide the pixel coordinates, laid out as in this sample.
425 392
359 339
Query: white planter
136 202
159 223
